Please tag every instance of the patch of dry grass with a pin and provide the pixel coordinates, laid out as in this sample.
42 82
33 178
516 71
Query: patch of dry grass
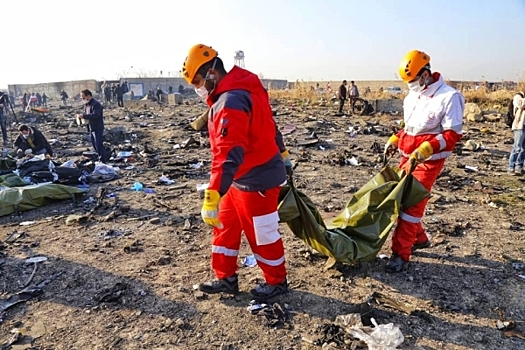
483 96
300 91
306 93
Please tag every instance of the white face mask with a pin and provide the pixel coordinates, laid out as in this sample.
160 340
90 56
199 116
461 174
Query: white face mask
414 86
25 136
202 92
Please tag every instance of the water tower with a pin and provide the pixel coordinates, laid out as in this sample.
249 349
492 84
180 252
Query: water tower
239 59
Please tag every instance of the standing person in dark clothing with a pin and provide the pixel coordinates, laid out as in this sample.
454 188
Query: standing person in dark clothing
113 92
107 93
119 90
24 101
342 96
44 100
12 99
5 100
125 87
159 94
170 89
93 113
64 97
181 89
38 99
3 121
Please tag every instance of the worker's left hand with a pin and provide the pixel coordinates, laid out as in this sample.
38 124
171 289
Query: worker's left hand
422 153
210 208
391 145
48 156
287 162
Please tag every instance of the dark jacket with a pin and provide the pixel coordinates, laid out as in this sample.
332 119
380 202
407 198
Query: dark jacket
4 100
94 115
119 91
38 140
342 92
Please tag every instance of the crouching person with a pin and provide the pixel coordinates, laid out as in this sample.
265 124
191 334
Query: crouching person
32 141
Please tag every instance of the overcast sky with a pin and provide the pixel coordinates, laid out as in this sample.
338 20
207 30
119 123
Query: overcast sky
61 40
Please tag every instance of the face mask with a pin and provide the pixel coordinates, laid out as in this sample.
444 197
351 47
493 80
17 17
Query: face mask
202 92
85 101
414 86
25 136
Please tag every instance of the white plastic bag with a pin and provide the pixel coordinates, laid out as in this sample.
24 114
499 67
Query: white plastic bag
384 336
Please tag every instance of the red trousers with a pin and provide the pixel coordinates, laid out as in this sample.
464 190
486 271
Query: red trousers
255 213
409 230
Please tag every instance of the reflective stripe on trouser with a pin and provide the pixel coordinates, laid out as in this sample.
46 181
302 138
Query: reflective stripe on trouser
255 213
409 229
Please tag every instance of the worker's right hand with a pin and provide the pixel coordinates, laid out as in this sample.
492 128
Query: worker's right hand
391 145
422 153
210 208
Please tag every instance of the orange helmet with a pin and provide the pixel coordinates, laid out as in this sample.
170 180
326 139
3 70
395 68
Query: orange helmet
197 56
412 63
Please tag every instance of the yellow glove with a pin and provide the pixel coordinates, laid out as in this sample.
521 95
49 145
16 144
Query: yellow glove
210 208
423 152
391 145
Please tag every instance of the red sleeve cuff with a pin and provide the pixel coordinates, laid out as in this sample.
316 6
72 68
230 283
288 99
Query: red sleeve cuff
436 147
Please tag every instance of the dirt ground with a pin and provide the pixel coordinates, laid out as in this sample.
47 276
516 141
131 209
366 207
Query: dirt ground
124 278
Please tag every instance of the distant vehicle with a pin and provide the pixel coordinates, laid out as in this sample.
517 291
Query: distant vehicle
394 90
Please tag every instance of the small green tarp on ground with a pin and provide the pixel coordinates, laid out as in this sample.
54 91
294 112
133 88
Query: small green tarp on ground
12 180
7 163
33 196
360 230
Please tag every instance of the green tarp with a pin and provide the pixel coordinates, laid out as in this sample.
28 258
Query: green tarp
11 180
360 230
7 163
33 196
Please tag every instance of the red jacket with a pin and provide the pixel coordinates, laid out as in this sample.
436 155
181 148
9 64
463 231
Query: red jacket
243 135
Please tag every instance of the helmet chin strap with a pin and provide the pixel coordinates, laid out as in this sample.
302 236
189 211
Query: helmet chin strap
211 76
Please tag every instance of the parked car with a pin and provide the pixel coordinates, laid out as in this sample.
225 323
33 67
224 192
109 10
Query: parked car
394 90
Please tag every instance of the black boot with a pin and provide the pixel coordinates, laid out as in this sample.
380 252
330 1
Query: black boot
396 264
421 246
265 291
228 285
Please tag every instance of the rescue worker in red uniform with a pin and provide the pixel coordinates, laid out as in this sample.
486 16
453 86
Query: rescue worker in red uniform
433 116
247 171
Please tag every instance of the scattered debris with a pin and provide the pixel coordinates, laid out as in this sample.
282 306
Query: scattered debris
277 315
27 293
